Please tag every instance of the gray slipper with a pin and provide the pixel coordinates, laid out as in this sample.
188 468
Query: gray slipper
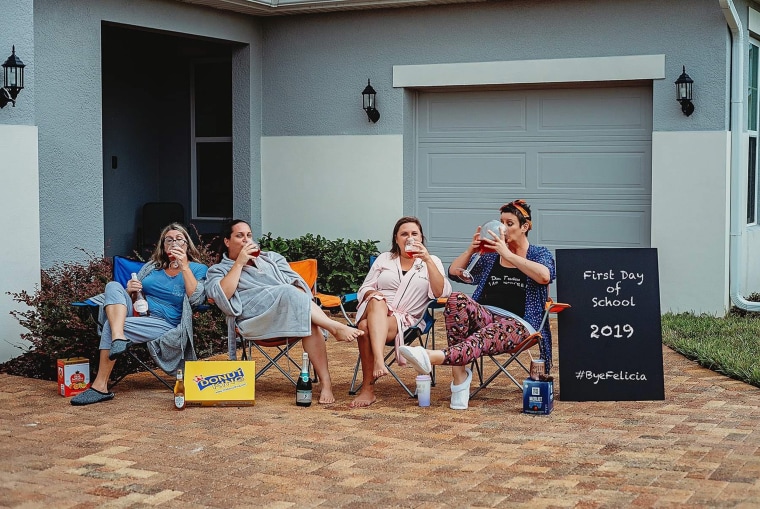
91 396
118 347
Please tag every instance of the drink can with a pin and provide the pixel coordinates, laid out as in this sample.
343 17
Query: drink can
536 369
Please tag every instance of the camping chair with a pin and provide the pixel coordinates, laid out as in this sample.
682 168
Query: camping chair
155 216
122 272
307 269
513 357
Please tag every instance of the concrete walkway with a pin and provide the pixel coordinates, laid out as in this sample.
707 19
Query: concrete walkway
698 448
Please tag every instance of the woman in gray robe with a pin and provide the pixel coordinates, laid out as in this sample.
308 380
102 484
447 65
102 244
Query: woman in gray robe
265 299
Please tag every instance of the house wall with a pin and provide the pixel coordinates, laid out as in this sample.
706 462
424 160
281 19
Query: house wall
368 44
68 44
19 220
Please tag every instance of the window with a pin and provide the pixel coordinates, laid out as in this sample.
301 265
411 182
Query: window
752 123
211 139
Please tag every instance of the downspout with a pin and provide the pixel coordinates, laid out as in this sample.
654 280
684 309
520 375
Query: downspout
736 267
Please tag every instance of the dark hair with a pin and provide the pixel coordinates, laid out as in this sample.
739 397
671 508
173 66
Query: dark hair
227 233
521 210
161 258
395 250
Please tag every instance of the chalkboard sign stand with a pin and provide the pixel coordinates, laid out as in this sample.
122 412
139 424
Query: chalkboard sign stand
610 340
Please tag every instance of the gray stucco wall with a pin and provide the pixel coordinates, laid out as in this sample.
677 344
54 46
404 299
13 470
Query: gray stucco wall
315 67
18 30
68 47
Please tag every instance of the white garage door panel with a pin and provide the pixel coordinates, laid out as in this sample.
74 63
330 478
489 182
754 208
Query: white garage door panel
580 157
618 172
593 112
592 228
482 169
489 114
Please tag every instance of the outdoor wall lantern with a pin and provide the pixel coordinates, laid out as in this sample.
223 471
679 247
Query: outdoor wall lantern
368 103
683 92
13 79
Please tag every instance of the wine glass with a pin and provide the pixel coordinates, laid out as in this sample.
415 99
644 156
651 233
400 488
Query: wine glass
496 227
410 246
255 248
173 263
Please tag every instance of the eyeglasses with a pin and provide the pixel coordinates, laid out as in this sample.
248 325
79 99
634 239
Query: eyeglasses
179 242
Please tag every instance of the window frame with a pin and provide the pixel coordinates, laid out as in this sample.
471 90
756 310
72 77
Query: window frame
195 140
753 133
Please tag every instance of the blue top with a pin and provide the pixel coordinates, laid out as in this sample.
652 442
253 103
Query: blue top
536 294
165 294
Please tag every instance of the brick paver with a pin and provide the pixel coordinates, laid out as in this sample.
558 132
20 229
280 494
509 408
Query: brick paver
698 448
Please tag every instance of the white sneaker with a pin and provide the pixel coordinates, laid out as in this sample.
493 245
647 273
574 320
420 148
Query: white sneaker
417 357
460 394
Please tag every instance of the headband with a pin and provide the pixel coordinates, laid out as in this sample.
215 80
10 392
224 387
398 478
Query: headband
518 204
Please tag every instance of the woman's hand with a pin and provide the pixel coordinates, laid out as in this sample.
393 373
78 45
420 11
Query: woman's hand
134 285
496 242
178 254
247 253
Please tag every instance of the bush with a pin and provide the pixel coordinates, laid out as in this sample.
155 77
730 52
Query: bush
342 264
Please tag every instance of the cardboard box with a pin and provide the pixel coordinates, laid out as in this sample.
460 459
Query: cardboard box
538 397
220 383
73 376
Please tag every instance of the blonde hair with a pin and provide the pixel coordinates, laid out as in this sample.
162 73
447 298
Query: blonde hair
160 256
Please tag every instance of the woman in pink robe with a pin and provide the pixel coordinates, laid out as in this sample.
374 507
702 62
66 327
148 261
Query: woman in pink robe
394 297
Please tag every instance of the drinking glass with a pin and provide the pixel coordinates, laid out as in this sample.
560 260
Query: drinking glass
410 246
173 263
256 248
496 227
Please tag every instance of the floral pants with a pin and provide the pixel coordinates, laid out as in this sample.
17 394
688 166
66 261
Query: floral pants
473 331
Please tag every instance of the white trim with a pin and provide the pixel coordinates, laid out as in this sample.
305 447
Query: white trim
559 70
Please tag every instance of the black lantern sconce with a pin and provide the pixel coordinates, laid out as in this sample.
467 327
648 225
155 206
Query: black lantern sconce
13 79
368 103
683 92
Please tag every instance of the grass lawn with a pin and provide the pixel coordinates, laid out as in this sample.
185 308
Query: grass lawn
729 345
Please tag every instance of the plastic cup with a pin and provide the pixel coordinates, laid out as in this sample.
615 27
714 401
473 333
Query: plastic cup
423 390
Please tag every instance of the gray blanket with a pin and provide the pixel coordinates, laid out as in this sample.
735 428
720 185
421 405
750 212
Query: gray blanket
271 300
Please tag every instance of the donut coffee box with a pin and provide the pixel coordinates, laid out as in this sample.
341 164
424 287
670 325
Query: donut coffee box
73 376
220 383
538 396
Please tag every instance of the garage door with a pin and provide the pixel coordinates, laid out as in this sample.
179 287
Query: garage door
581 158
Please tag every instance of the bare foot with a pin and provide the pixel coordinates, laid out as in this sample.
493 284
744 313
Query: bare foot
364 399
380 371
326 396
346 333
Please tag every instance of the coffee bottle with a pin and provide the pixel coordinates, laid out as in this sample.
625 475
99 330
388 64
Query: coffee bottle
303 386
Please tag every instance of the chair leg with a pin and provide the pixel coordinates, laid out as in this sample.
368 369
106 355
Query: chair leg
152 371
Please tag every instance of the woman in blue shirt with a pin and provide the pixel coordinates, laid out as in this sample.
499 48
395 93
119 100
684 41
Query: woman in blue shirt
172 283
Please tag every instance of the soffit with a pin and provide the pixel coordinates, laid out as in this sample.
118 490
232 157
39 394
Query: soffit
281 7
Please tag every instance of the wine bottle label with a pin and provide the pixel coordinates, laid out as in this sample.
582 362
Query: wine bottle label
141 306
179 401
303 396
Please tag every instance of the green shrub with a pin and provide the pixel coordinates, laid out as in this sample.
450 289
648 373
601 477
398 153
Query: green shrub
342 264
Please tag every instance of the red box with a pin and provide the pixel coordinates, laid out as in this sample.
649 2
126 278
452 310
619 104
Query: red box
73 376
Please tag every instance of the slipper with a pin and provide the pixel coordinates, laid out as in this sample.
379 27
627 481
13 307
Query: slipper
460 394
417 357
91 396
118 347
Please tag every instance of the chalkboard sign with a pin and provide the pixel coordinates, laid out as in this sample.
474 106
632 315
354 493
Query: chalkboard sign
610 340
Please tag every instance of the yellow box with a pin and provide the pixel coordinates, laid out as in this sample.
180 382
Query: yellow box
220 383
73 376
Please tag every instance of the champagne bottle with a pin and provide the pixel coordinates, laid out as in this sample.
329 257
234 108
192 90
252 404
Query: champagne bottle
179 391
303 386
140 305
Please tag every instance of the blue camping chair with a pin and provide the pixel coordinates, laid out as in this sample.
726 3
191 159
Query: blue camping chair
422 332
122 272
